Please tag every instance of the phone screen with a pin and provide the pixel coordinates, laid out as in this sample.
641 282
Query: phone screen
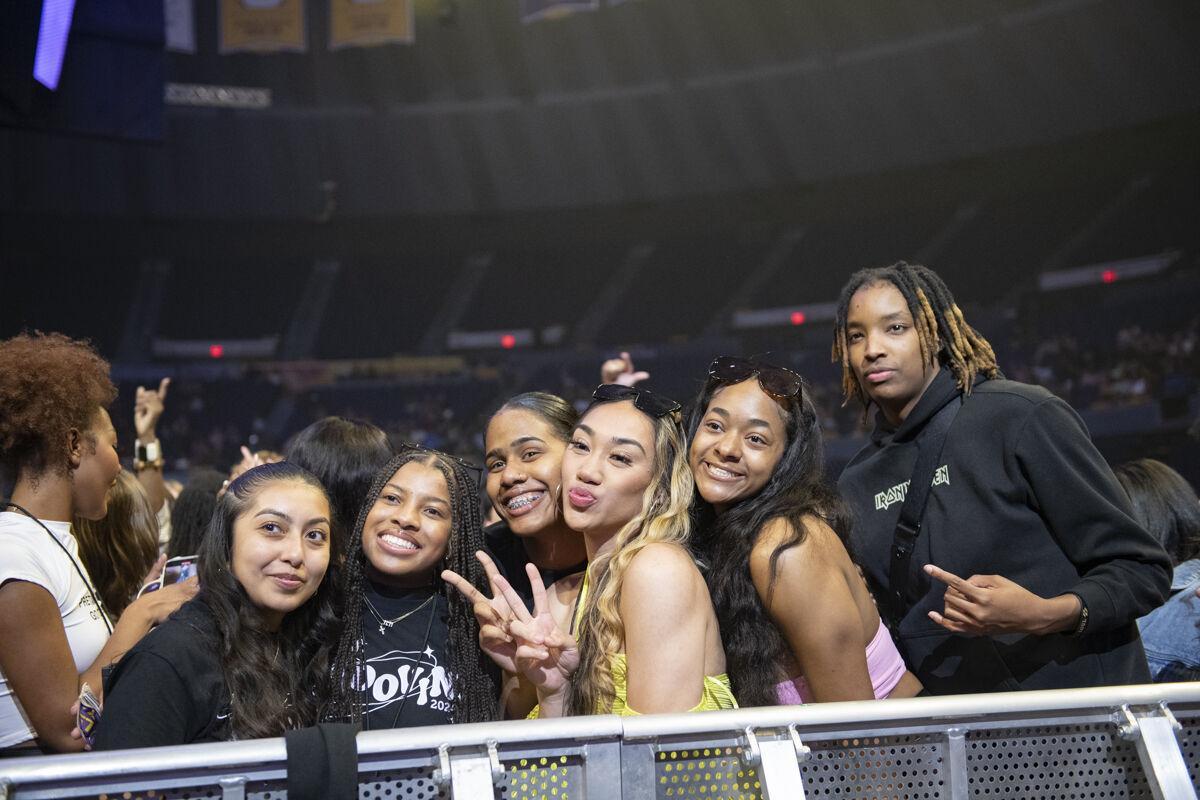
180 568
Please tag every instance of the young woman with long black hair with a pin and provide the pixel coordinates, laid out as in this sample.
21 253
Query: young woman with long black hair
409 652
797 619
647 635
249 656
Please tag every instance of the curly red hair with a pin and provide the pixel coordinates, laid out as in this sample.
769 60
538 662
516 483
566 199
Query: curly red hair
49 384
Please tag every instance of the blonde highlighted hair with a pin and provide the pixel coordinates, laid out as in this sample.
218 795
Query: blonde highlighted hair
663 518
120 549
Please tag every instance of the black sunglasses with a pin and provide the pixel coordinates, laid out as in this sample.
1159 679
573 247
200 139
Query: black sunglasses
461 462
644 400
778 382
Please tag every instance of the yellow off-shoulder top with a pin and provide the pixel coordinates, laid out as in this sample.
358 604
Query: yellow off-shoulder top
715 695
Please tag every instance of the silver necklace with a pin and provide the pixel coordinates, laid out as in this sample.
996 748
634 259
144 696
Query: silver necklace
388 623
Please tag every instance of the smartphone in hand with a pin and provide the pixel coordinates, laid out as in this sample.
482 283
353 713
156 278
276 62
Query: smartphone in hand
88 714
180 568
177 569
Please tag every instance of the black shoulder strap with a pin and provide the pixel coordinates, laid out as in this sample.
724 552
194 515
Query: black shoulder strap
908 527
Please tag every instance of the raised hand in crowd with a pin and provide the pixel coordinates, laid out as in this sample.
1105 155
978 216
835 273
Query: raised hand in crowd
250 460
621 370
148 408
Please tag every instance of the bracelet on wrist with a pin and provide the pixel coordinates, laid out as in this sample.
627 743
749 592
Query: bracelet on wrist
1082 624
147 455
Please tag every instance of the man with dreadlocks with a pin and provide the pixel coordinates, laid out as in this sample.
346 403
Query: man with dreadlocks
1000 545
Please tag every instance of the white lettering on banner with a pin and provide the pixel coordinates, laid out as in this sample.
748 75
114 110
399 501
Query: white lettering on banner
896 494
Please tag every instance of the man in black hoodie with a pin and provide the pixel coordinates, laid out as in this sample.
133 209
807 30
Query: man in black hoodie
1025 569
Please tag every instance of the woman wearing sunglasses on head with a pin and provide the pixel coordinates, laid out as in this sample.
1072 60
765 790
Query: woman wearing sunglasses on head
635 632
798 622
249 657
409 649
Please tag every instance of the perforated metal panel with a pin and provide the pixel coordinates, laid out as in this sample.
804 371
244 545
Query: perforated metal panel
1063 761
197 793
714 772
897 767
552 778
1189 743
405 784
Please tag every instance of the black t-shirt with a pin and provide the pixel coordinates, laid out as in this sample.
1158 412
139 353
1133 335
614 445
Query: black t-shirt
408 678
170 688
508 551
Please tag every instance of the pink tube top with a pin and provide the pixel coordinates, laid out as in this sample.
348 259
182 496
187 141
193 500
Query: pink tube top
884 665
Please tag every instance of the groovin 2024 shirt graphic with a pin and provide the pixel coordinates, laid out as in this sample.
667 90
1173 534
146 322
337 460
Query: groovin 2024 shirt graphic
407 679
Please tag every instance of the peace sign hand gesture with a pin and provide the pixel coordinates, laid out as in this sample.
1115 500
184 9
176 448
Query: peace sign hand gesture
520 642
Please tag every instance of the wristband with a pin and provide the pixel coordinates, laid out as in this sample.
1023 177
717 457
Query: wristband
1081 626
147 455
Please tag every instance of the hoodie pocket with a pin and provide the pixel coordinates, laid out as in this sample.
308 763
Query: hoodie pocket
947 663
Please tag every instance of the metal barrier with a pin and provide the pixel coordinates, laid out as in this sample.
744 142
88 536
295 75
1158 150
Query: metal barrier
1114 742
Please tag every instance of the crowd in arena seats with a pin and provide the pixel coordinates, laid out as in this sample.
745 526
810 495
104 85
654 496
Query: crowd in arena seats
1139 367
210 420
645 555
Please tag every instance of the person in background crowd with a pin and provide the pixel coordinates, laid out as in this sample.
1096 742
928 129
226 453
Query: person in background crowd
249 656
344 454
58 447
1166 505
148 455
409 651
797 620
647 635
525 440
120 551
249 460
1026 570
193 510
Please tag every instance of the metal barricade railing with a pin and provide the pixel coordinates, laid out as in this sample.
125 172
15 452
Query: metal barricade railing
1114 742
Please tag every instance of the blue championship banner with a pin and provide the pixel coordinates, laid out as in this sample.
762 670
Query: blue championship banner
363 23
535 10
262 26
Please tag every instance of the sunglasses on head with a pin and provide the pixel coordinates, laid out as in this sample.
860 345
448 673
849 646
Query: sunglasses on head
778 382
644 400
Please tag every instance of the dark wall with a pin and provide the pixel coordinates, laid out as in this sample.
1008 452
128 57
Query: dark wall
647 101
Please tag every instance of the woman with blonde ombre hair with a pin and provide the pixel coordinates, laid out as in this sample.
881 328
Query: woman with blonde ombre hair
635 632
120 551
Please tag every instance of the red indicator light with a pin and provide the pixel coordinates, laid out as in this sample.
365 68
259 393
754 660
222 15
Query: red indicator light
1108 276
216 350
797 317
508 341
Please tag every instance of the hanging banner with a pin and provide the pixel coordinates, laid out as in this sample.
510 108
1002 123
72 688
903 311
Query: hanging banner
179 17
363 23
262 26
537 10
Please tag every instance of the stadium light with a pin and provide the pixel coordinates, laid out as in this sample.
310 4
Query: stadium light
53 32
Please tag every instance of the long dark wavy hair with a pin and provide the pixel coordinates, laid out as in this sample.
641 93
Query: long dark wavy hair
344 454
276 680
1165 504
754 647
475 679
